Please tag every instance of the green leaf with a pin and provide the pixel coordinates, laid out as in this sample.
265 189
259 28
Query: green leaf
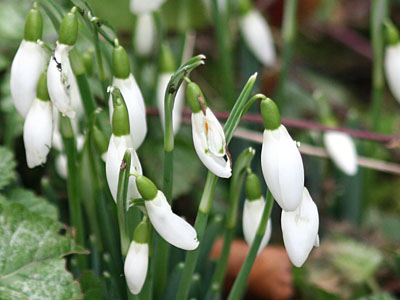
382 296
31 251
34 203
7 167
91 286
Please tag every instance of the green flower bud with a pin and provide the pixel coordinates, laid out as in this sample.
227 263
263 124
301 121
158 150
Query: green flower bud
120 117
33 25
244 6
76 61
253 187
270 114
120 62
88 59
194 97
41 91
68 32
167 60
146 187
392 34
66 127
142 232
100 140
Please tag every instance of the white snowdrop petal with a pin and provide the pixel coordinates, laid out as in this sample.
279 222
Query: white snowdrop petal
215 134
136 265
170 226
136 108
392 69
61 166
145 34
60 80
145 6
252 213
38 130
341 148
258 37
282 168
300 230
27 66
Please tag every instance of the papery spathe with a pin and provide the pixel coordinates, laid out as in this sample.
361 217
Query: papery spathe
252 213
136 265
282 168
300 230
136 108
38 130
258 37
145 34
392 69
145 6
162 84
115 153
342 150
209 143
28 64
170 226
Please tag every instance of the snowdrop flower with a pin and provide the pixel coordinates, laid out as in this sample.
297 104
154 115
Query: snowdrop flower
145 34
145 6
392 60
341 148
63 89
300 230
257 34
126 83
120 142
252 212
137 259
169 226
280 160
208 135
38 127
167 70
28 64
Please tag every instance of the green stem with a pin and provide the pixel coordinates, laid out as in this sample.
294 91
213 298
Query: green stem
122 195
289 29
224 50
378 15
240 282
73 187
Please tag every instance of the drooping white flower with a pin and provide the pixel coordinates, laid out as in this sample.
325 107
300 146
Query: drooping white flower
162 84
38 130
258 37
341 148
252 213
170 226
145 6
28 64
136 108
282 168
145 34
392 69
300 230
115 153
61 82
135 267
209 143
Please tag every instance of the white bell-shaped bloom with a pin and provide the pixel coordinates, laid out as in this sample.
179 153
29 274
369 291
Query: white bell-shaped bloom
136 108
282 168
341 148
145 6
61 82
135 267
38 130
209 143
252 213
28 64
300 230
258 37
145 34
115 153
392 69
162 84
170 226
